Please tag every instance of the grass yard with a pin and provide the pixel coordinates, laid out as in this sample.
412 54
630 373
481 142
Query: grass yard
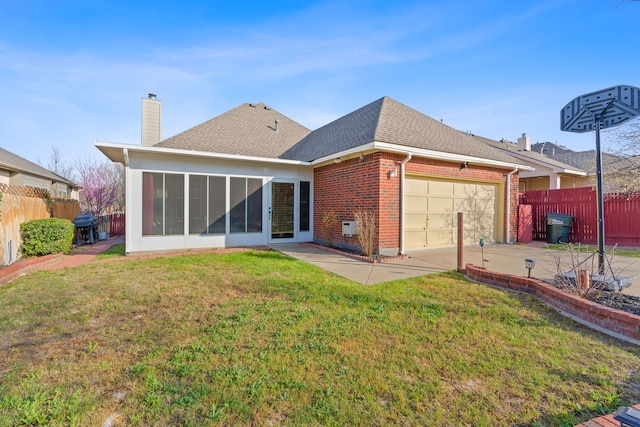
258 338
577 248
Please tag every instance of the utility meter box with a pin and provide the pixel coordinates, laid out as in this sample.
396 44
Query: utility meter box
348 228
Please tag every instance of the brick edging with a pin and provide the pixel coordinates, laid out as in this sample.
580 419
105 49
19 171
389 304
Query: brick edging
25 266
610 320
354 256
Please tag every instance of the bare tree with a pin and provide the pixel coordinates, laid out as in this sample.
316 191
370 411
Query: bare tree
624 143
57 164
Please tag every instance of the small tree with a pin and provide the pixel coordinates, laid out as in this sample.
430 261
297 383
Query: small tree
367 231
100 186
329 221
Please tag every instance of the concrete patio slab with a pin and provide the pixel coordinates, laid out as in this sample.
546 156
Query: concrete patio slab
498 257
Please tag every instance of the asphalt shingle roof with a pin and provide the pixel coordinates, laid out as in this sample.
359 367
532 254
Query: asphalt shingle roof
13 162
248 130
532 155
387 120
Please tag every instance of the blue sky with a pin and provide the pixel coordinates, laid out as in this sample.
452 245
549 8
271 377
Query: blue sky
72 72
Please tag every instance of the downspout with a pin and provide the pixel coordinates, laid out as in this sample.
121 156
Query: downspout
404 162
508 238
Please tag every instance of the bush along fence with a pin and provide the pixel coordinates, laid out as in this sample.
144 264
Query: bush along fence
621 225
617 323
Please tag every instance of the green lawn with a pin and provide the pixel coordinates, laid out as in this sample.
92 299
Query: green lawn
258 338
610 250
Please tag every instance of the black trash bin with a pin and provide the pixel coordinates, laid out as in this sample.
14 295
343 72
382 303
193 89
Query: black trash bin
558 226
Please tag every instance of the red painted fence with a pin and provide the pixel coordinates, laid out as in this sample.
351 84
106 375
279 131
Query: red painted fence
116 224
621 214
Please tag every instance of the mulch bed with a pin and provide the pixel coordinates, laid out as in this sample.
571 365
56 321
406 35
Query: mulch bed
623 302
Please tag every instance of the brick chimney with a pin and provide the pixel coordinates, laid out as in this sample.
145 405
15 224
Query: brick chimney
151 120
524 142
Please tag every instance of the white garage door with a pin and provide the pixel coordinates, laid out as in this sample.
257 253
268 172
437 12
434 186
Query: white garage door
431 212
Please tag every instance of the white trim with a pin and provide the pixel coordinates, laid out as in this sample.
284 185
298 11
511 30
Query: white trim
554 168
105 147
508 233
402 201
420 152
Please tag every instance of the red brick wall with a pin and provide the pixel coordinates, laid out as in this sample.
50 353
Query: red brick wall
364 184
345 188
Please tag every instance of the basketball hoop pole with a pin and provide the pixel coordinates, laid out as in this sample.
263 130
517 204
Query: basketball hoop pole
600 199
598 123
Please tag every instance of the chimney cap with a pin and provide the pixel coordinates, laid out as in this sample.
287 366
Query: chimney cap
153 96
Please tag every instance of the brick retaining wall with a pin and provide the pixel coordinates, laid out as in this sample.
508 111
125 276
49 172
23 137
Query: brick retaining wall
616 322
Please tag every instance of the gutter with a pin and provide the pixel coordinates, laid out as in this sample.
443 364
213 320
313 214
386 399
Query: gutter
508 237
402 202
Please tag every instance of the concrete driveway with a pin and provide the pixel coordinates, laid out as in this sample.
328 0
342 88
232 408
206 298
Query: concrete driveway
498 257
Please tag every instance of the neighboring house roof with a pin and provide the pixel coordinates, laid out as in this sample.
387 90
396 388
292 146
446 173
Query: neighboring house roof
535 157
247 130
388 121
549 148
15 163
587 159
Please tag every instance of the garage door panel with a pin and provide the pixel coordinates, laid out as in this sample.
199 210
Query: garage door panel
440 204
444 188
417 203
486 207
465 190
439 221
463 205
431 207
440 238
416 240
416 187
416 221
486 192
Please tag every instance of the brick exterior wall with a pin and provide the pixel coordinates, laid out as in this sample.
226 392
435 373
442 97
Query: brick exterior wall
365 185
616 321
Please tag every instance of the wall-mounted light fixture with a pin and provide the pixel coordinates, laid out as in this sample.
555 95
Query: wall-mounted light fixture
463 165
392 173
336 160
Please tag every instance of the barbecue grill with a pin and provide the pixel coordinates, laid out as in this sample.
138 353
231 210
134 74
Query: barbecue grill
86 229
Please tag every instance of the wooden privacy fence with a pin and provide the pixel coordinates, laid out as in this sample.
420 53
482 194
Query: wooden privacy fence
116 224
67 209
621 214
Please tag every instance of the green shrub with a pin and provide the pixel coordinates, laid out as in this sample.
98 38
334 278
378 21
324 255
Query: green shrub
46 236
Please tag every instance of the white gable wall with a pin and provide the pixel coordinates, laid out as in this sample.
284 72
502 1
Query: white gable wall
140 162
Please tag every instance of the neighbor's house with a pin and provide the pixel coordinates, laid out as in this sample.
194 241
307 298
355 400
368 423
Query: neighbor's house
618 171
17 171
24 187
548 173
252 176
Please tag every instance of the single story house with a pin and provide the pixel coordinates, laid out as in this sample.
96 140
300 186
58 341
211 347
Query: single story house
18 171
253 176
